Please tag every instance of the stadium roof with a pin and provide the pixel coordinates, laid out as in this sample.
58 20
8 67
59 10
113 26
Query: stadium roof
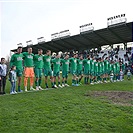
95 39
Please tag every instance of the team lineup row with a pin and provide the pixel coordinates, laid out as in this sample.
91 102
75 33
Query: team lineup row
95 70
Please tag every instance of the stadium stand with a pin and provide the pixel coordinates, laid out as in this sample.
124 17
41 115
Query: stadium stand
94 39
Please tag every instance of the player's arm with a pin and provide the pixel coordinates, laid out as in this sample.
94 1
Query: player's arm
24 55
12 60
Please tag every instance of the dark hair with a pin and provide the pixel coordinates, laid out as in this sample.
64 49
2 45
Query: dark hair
19 47
48 51
40 50
2 58
29 47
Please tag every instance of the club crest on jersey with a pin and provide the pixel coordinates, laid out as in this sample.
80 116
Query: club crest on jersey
58 62
80 62
67 63
48 60
40 58
19 59
30 56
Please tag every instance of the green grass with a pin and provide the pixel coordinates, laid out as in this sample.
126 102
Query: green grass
66 110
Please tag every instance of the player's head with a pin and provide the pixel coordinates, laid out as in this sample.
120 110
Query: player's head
88 57
66 56
92 57
81 57
74 55
48 52
128 70
40 51
99 59
29 49
58 56
106 58
19 49
102 59
3 60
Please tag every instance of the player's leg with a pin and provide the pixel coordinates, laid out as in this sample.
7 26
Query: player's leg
52 78
59 85
36 70
88 76
80 73
66 77
46 78
73 79
40 79
85 76
19 75
26 75
32 75
58 75
92 78
95 77
63 78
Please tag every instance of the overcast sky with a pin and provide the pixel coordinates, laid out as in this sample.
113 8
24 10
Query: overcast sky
25 20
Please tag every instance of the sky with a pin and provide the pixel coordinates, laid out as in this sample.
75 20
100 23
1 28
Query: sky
25 20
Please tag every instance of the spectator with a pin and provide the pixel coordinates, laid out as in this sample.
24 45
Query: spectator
3 75
12 79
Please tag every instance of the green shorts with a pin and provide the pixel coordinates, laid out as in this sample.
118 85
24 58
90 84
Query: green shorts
86 72
38 72
56 73
47 72
114 72
64 74
19 72
73 72
95 73
92 73
117 72
106 71
100 73
79 72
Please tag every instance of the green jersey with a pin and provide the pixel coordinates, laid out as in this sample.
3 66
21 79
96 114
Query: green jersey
28 59
73 63
96 67
103 66
110 67
38 61
92 65
106 64
117 66
86 64
65 64
47 62
79 65
56 64
17 60
100 67
114 68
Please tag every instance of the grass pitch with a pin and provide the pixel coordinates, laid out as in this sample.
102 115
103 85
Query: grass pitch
100 108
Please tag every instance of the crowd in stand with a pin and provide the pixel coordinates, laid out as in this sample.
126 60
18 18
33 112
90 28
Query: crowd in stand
84 64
